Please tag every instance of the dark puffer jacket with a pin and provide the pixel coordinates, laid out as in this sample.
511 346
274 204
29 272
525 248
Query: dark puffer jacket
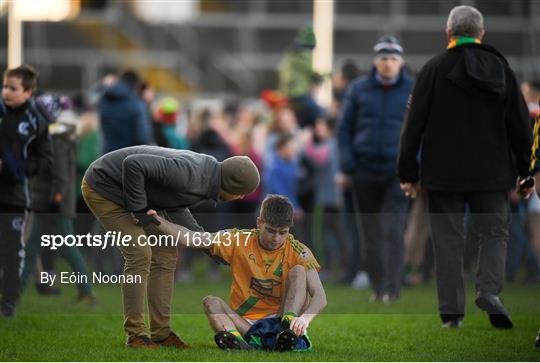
370 122
124 118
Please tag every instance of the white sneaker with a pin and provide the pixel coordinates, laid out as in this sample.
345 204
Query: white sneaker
360 281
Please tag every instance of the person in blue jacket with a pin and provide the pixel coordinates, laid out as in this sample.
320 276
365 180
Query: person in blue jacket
281 174
369 126
124 118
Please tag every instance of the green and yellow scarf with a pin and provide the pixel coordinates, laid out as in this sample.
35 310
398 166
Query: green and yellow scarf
462 40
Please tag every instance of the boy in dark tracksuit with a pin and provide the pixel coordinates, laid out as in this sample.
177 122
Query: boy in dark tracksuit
25 148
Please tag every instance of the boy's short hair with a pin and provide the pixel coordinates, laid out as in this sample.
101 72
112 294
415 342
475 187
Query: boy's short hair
26 73
277 211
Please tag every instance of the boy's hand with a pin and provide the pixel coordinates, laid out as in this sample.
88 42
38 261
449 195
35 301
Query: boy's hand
299 325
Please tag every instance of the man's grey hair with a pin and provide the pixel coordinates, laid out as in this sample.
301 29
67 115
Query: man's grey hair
465 21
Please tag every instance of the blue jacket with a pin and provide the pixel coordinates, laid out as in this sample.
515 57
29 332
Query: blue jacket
370 122
124 118
281 177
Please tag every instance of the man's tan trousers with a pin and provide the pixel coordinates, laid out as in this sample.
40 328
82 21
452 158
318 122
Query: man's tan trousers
155 265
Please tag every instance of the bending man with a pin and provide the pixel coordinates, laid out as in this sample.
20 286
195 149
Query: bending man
121 186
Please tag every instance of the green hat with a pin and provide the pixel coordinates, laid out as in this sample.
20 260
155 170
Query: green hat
306 37
239 175
169 105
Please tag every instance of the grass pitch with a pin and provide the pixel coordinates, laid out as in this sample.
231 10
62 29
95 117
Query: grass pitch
351 329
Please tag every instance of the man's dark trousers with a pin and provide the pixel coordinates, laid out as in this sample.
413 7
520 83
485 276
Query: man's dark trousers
490 218
383 212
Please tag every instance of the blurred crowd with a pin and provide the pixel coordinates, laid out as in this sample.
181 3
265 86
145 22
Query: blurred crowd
350 211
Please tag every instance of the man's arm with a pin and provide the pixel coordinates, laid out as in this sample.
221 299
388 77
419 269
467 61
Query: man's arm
317 303
415 120
185 235
519 127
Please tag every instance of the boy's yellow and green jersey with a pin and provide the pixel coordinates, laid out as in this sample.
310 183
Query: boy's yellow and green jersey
259 275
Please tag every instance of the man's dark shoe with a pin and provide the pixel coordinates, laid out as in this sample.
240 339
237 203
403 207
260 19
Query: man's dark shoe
141 341
538 340
43 289
227 341
498 316
173 340
8 310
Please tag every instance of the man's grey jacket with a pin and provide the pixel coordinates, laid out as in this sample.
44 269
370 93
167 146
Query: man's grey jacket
142 177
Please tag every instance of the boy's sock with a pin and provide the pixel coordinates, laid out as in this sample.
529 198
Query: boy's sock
236 334
288 317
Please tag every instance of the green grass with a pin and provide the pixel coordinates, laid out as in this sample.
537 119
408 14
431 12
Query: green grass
351 329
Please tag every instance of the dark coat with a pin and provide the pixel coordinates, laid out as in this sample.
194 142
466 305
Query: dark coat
124 118
370 123
469 118
60 178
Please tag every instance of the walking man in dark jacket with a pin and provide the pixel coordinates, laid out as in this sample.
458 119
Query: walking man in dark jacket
368 137
121 186
469 117
25 148
124 118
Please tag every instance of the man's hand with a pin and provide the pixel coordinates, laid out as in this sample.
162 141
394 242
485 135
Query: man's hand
525 187
183 234
299 325
411 190
143 218
343 180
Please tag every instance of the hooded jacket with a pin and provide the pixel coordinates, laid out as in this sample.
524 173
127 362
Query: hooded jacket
469 118
124 118
142 177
